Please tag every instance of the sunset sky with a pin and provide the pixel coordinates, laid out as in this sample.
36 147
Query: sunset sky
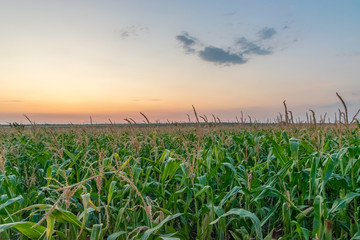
63 61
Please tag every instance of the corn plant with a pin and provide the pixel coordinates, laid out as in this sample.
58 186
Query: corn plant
180 182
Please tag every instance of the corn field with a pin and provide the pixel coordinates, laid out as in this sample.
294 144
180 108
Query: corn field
180 182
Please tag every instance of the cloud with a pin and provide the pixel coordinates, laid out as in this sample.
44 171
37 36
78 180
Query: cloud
238 53
221 56
216 55
131 31
266 33
252 48
124 34
187 41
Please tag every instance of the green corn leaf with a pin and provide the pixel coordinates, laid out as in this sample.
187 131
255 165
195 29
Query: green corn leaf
154 229
50 223
111 191
357 235
278 152
317 223
64 216
294 148
10 201
70 155
342 203
96 232
330 165
168 236
204 189
243 214
232 192
270 214
115 235
303 214
25 228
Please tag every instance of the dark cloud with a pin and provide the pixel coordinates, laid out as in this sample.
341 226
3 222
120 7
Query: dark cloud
221 56
216 55
252 48
187 41
266 33
236 54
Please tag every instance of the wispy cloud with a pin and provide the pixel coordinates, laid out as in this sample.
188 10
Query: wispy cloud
266 33
239 53
249 47
131 31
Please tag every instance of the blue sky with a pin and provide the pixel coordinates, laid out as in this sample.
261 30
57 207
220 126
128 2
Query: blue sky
62 61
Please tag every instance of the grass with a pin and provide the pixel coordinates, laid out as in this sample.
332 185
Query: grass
169 182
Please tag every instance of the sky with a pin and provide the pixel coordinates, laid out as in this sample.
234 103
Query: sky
64 61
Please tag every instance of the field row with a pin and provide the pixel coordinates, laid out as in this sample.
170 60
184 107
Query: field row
180 183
